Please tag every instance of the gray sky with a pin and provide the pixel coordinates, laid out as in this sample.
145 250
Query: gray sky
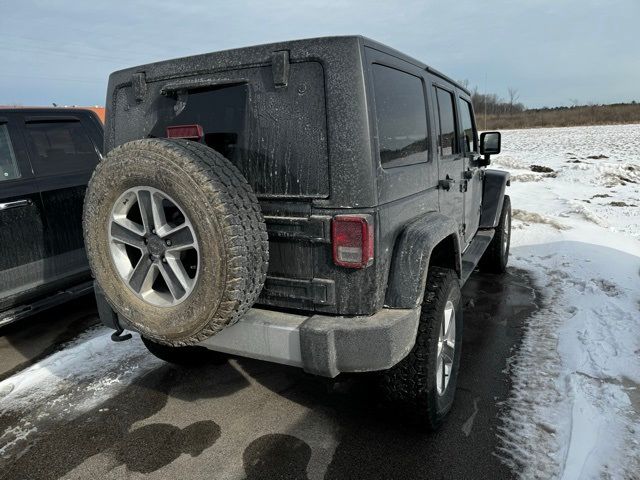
552 51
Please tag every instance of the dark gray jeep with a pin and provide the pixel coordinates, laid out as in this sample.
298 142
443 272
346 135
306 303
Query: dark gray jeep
316 203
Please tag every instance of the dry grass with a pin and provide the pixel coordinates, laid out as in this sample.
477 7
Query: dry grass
562 117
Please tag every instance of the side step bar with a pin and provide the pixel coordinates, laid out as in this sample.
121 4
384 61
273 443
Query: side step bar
57 298
474 252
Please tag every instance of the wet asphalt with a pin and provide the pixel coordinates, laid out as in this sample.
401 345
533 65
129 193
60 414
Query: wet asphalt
242 418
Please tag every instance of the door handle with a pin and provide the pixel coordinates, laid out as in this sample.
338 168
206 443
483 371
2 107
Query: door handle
15 204
446 183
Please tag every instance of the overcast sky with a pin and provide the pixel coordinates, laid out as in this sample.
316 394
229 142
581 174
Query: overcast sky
553 51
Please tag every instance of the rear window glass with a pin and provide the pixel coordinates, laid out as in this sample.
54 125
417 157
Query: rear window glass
59 147
8 166
277 137
400 114
447 140
221 114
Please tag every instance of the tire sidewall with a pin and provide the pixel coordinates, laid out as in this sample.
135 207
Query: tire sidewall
505 216
165 172
444 402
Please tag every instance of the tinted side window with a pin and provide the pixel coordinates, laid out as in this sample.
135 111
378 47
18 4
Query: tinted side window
468 126
400 114
59 147
448 139
8 165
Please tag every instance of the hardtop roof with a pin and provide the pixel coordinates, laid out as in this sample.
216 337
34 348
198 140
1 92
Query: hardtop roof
292 45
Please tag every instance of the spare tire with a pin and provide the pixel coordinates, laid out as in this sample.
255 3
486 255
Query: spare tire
175 238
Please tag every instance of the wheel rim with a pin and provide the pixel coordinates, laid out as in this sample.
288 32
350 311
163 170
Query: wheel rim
153 246
446 347
506 231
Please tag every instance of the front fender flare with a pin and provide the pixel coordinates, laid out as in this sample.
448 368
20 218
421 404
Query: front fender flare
495 184
412 252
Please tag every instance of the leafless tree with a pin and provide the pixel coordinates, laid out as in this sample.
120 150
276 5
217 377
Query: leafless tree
513 98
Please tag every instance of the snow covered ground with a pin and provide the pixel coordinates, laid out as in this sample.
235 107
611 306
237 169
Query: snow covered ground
575 407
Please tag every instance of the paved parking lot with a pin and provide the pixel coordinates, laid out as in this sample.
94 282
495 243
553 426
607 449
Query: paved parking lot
247 419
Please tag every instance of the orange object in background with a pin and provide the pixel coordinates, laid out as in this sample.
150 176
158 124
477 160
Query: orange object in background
97 110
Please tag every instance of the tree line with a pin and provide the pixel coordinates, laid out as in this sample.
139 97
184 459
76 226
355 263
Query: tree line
494 112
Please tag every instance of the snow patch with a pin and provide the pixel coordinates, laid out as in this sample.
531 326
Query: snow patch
532 217
574 409
69 383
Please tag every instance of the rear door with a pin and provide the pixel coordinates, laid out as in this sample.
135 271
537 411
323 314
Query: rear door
63 156
472 176
23 250
450 157
277 138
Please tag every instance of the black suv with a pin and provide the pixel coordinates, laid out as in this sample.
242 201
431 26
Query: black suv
46 158
316 203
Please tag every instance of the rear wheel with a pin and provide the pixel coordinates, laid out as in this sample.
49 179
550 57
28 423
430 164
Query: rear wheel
423 384
496 256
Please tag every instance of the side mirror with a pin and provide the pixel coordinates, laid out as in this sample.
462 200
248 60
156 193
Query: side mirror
490 143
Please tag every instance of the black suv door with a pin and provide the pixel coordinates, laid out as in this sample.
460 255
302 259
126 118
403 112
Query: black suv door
22 227
63 154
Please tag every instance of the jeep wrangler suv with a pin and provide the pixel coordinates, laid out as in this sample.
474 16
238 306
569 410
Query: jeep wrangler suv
316 203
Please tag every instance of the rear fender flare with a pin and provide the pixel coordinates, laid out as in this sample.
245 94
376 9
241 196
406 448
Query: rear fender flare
412 254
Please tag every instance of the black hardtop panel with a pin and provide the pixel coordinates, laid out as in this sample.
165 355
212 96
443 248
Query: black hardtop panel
299 50
367 42
136 95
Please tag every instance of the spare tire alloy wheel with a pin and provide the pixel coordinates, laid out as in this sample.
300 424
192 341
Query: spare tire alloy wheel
175 238
154 246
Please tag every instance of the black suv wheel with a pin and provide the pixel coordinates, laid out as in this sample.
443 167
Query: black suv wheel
425 380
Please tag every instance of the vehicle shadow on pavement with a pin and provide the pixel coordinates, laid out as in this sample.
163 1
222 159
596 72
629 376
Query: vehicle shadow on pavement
376 441
109 428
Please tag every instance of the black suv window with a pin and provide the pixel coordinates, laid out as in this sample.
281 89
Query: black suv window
400 114
468 126
447 141
60 147
8 166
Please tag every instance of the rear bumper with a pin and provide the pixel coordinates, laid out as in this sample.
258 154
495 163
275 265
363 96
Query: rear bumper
322 344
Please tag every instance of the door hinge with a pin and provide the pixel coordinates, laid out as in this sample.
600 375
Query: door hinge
463 229
280 68
139 84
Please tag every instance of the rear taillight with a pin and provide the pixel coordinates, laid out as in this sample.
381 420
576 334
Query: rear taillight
188 132
352 240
